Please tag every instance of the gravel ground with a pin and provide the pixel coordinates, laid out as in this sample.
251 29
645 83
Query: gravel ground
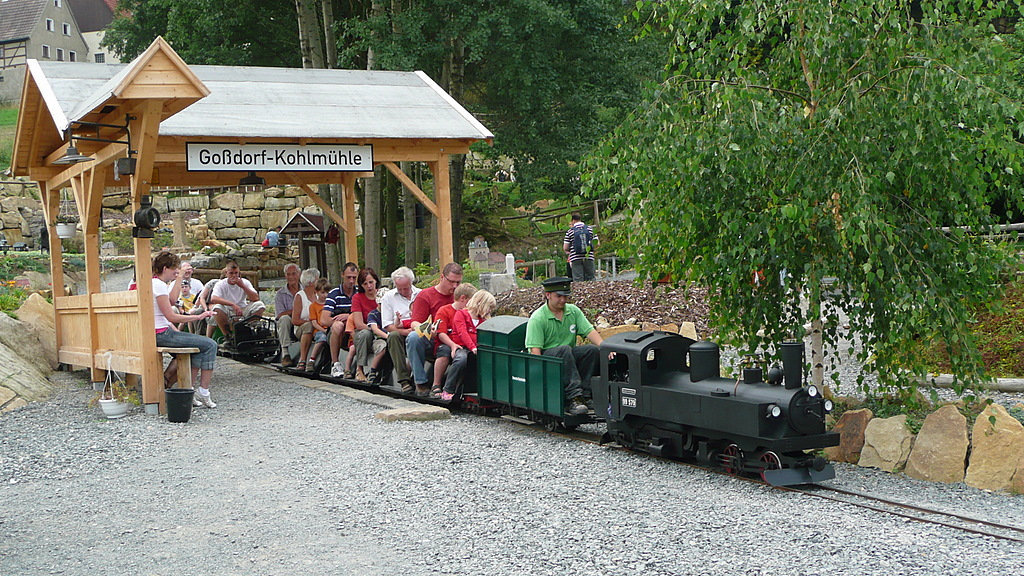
282 479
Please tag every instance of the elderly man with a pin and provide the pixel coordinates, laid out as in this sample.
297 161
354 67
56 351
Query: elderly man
396 317
233 299
552 331
426 306
283 302
336 311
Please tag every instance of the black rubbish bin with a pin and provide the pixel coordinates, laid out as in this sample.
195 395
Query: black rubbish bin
179 404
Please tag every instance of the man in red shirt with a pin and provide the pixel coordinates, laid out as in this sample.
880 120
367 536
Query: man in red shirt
426 305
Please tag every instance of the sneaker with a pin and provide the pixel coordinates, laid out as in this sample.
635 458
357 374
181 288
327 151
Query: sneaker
338 370
577 406
195 401
206 401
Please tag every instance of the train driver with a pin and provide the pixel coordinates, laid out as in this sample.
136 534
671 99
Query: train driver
552 331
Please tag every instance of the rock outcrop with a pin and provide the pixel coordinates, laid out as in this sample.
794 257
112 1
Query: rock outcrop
851 428
887 444
940 451
23 370
997 445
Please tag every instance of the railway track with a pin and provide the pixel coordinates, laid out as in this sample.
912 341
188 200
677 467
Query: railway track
964 523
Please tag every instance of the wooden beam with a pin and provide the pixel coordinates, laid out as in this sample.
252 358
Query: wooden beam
445 246
411 186
146 127
92 186
320 202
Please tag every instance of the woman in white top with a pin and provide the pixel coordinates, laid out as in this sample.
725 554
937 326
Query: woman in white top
300 313
165 269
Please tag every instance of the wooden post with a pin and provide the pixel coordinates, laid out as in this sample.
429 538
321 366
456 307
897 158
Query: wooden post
89 192
348 185
442 194
145 130
51 207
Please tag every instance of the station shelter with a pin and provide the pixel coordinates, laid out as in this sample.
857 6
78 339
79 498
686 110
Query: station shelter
159 121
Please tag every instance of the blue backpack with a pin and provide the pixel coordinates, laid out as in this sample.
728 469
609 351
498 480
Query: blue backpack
582 240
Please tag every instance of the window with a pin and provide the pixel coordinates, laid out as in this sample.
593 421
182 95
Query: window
66 28
46 51
49 24
60 54
101 57
56 3
72 56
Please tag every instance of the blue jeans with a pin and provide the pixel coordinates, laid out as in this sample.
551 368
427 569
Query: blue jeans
416 349
207 356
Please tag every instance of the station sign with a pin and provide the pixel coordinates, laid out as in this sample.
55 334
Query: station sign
230 157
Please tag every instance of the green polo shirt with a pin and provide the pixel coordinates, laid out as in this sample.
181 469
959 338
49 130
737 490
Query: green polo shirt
545 331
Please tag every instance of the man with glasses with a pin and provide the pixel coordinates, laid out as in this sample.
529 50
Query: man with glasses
336 311
426 305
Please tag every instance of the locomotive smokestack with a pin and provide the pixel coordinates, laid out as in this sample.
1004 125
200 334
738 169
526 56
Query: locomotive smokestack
704 361
793 363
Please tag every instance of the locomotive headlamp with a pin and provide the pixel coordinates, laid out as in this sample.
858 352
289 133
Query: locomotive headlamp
773 411
812 391
828 405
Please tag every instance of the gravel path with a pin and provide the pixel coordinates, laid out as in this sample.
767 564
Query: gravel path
281 479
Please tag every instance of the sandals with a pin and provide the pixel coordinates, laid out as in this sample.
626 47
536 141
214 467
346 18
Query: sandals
408 388
436 391
301 366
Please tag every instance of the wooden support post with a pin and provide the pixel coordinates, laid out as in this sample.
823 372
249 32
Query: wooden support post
348 190
445 248
145 130
51 207
89 194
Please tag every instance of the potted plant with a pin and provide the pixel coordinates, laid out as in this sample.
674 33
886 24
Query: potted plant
66 225
115 398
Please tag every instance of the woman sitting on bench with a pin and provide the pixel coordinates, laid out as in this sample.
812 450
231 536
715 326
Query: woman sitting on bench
165 269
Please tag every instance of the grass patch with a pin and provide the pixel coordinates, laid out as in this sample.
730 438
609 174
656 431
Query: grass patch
999 337
11 297
16 264
8 125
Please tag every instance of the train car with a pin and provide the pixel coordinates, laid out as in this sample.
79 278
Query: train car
518 383
251 340
662 393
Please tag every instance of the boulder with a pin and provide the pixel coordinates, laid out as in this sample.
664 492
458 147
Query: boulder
248 222
887 444
273 192
649 326
294 191
997 445
228 201
851 428
236 233
217 218
253 200
115 202
672 327
940 451
273 218
689 330
37 314
160 203
23 370
606 332
247 213
280 203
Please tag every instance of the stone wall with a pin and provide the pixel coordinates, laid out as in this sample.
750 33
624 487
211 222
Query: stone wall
239 219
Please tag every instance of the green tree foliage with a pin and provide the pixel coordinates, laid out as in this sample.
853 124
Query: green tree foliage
827 140
258 33
548 77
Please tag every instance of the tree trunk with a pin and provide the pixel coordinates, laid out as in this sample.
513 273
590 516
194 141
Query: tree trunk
391 192
330 40
455 77
310 42
371 222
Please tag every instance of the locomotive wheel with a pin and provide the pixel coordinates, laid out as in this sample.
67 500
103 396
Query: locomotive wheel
551 425
770 460
731 459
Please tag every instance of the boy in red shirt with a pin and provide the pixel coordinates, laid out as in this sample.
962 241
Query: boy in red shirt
443 345
463 336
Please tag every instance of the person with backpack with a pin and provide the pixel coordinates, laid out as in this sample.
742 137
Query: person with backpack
578 244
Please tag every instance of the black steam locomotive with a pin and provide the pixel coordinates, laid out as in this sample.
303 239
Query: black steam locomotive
663 395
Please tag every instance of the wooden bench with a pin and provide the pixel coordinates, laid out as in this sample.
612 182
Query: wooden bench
184 358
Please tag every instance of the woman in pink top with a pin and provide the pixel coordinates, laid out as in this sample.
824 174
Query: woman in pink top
464 325
165 269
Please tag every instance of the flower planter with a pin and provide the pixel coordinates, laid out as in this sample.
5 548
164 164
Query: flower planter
66 229
113 409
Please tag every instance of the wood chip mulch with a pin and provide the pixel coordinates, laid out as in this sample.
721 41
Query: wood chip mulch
621 302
